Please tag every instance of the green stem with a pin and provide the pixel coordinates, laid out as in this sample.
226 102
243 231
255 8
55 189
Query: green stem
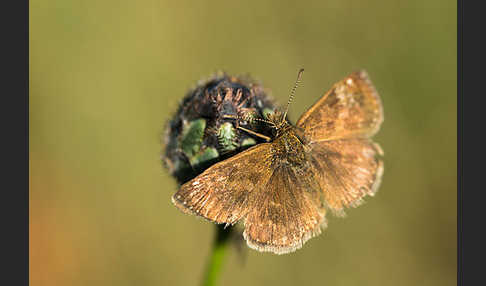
215 262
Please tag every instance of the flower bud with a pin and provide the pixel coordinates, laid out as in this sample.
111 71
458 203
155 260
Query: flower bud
206 127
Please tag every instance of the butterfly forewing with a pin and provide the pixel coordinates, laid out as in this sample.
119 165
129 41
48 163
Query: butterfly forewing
351 108
224 192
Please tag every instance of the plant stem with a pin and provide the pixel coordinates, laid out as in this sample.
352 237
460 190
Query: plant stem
215 262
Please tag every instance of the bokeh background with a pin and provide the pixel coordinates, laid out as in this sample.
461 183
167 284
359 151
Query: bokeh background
106 75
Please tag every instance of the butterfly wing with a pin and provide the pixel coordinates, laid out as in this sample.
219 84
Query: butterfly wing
223 193
352 108
281 212
288 212
347 170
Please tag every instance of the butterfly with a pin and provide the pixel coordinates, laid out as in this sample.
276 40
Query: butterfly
282 190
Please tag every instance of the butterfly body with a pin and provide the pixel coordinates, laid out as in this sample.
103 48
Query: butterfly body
283 189
289 148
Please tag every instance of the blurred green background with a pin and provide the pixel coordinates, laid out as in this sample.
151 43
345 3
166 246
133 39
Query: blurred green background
106 75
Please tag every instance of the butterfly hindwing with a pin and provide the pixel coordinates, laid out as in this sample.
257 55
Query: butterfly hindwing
347 170
351 108
286 215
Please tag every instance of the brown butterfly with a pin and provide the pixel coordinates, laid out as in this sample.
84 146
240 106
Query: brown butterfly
282 189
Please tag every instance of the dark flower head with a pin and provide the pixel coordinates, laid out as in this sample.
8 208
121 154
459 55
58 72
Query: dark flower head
204 130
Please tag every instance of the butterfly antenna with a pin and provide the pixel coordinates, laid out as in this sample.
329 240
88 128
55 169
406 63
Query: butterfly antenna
251 120
292 93
265 121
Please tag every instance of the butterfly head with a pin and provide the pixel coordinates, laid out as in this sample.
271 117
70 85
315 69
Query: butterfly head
278 122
